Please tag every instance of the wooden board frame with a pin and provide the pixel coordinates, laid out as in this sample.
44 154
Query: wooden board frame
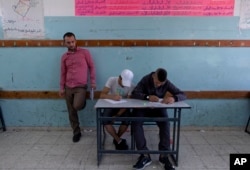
128 43
190 94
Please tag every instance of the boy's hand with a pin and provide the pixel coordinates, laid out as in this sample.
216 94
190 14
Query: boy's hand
168 100
117 97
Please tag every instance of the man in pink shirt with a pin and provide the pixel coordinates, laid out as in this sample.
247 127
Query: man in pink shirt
75 65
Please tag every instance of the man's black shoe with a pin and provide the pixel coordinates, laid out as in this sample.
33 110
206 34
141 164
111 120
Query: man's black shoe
164 161
122 145
142 162
77 137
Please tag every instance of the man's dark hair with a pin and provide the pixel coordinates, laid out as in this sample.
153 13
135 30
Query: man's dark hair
161 74
69 34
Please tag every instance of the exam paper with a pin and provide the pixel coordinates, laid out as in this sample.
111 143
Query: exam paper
115 102
159 103
156 104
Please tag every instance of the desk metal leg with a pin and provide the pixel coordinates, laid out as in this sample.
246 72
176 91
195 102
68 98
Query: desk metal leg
174 143
132 137
99 136
132 132
104 135
178 135
103 130
174 131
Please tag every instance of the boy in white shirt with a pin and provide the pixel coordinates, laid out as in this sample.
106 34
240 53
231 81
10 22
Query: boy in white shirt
117 88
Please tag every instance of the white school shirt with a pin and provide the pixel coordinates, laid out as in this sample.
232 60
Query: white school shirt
115 88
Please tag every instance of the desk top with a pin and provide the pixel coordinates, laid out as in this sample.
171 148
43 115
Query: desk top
135 103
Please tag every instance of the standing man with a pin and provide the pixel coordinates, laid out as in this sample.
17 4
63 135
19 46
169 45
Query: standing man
75 65
153 87
117 88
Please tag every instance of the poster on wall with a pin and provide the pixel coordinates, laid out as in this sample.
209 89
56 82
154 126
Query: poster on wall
22 19
244 14
154 7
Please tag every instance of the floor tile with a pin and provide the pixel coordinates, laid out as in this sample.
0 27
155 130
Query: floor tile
54 150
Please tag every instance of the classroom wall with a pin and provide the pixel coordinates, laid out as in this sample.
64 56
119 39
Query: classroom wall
190 68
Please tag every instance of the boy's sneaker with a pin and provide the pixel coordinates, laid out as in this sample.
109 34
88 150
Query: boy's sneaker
164 161
142 162
122 145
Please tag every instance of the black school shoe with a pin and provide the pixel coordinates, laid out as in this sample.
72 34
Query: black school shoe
142 162
122 145
77 137
164 161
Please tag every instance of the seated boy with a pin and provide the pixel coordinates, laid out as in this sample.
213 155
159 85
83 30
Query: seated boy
117 88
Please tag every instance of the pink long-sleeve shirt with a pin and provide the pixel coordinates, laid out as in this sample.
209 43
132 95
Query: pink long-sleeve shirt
75 67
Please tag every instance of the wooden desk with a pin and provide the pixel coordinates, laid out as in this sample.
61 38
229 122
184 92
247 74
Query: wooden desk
133 104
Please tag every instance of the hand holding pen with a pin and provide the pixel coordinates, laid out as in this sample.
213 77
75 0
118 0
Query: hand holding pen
153 98
117 97
168 100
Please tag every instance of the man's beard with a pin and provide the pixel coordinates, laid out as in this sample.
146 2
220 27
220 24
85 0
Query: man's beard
72 49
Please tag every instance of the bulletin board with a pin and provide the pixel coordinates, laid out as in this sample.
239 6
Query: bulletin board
154 7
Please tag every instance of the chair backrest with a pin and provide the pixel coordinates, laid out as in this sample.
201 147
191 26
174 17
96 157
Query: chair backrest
2 120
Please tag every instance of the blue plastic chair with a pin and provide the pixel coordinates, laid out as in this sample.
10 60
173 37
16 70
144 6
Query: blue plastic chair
247 129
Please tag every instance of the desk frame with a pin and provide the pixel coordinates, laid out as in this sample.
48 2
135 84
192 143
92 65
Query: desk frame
176 119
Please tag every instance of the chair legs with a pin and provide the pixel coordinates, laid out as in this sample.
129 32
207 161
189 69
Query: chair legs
104 135
247 129
2 120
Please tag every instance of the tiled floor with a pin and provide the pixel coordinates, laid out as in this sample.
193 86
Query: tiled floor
29 149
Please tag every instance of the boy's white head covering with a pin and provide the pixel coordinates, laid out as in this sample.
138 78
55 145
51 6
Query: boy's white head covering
127 77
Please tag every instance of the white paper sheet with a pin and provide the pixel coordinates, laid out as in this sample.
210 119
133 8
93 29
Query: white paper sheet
115 102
